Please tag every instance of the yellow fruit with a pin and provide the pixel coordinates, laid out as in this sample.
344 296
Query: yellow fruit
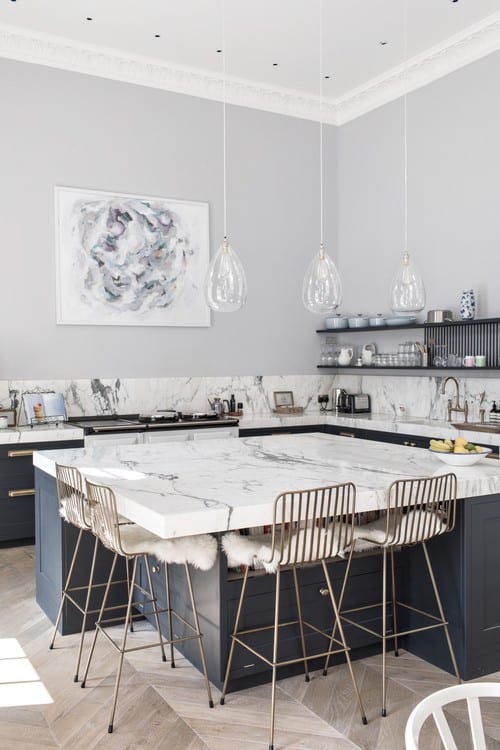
461 441
460 449
440 445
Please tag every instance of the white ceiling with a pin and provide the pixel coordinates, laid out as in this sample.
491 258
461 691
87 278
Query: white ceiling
258 34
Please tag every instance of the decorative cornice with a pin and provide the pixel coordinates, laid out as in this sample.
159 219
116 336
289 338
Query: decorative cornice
43 49
470 45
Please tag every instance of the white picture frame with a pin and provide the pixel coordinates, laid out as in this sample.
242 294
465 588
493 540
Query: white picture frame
126 259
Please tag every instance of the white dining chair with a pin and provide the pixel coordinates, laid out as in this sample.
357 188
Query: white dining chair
433 706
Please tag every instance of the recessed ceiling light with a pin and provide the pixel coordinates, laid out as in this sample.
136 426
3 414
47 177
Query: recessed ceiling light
219 51
327 77
275 65
157 36
89 18
382 44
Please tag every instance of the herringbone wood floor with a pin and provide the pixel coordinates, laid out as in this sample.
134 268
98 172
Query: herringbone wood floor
166 708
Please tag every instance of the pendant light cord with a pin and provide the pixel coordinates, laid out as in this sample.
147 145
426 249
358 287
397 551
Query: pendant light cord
321 122
224 178
405 125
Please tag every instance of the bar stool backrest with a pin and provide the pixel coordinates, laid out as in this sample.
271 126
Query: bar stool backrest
418 509
313 525
72 501
104 516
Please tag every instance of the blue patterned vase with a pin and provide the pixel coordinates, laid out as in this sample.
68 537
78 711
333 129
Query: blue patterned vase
468 305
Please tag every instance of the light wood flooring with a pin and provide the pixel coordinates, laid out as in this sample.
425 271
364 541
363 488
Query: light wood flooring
160 707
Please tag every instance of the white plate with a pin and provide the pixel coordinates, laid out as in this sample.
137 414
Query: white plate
460 459
404 321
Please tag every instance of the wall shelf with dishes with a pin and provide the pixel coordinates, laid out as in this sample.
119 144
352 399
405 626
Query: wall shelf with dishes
464 345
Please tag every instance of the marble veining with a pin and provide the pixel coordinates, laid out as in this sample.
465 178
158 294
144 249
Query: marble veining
206 486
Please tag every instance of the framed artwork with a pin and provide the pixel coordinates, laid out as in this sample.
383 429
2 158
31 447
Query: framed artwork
283 398
125 259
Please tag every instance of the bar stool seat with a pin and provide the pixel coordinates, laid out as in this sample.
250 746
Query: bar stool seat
309 527
133 542
417 510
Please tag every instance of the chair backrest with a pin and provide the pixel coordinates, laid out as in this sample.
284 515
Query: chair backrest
418 509
433 706
313 525
104 516
72 501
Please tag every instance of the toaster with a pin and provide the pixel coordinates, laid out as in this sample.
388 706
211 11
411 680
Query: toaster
358 403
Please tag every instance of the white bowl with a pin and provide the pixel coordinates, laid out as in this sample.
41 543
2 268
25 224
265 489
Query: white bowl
460 459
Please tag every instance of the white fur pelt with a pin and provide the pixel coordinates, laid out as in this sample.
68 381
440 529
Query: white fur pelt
257 551
199 551
417 525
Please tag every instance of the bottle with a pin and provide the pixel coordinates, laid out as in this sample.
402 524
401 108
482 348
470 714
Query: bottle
239 407
232 404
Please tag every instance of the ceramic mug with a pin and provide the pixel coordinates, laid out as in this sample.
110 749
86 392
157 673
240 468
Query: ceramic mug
469 361
480 360
4 422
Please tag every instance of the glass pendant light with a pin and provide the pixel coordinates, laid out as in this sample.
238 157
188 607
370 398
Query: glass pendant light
225 283
321 288
407 290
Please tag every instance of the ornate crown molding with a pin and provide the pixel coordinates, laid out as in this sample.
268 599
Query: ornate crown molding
43 49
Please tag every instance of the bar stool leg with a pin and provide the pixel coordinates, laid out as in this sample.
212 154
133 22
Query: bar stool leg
235 632
169 607
441 611
64 592
394 616
153 601
86 609
301 626
343 641
124 643
198 632
127 571
339 606
275 657
384 630
101 612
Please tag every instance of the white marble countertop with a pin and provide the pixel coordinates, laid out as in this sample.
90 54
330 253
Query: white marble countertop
384 422
178 489
40 434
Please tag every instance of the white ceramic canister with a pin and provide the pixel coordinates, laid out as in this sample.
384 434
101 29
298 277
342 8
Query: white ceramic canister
4 423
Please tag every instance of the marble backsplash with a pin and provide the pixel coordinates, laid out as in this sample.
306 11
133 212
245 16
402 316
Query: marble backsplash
397 396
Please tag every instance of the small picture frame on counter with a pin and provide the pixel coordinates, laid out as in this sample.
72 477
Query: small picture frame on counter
283 398
10 416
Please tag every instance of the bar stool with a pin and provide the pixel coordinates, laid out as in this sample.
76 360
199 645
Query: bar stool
311 526
417 510
73 508
128 540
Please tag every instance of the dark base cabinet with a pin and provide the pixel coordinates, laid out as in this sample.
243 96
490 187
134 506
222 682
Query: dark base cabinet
17 487
55 543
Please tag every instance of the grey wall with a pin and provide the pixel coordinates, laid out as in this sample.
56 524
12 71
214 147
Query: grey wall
69 129
62 128
453 193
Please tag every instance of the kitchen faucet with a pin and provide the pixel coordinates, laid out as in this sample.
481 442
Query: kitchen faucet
464 409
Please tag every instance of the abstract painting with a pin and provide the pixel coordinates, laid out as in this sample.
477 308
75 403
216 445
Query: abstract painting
130 260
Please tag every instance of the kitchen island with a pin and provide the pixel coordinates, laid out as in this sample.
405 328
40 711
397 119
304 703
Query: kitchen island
189 488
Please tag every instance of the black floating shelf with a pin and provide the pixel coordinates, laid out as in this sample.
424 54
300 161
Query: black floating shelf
431 369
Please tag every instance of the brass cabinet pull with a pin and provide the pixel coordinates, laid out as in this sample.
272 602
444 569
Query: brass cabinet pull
346 434
19 454
20 493
155 569
324 592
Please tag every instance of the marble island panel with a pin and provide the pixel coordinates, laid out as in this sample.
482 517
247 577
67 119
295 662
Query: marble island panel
178 489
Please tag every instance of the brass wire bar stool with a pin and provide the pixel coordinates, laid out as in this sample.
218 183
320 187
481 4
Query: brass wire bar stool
126 539
309 527
73 508
417 510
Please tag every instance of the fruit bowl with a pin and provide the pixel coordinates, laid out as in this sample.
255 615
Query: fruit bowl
460 459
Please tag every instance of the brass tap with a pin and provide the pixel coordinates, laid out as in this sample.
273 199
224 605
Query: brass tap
456 407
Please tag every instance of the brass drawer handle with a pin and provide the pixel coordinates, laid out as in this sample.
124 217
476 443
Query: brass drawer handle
346 434
19 454
20 493
324 592
155 569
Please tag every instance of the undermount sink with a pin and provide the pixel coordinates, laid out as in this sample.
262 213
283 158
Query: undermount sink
477 427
